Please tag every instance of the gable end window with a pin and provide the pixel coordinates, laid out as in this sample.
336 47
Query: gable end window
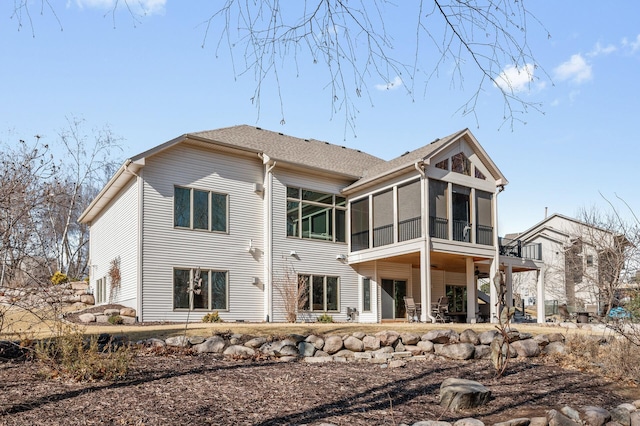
316 215
195 289
197 209
461 164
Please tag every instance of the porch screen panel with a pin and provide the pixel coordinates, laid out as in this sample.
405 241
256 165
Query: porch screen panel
383 219
461 213
438 217
360 225
409 212
484 230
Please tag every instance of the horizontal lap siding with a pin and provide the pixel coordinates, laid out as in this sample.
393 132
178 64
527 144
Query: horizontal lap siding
165 247
314 257
115 233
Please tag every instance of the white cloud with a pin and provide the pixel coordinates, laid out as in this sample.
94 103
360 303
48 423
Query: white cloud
392 85
576 69
515 79
633 45
599 49
148 7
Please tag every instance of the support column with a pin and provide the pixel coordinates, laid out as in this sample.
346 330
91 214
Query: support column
509 284
540 296
472 292
494 273
425 283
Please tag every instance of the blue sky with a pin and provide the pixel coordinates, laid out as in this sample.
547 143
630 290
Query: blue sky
152 80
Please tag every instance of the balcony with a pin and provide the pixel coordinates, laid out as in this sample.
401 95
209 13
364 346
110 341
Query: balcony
484 235
515 248
438 227
409 229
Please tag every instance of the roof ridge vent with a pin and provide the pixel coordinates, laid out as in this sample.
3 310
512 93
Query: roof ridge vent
405 153
435 140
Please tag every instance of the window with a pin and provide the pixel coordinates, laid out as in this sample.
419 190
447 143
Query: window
366 295
457 299
444 164
360 225
200 289
589 260
323 293
101 290
479 174
461 164
197 209
316 215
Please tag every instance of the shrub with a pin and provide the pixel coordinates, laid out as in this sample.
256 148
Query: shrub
325 318
72 356
59 278
115 320
212 317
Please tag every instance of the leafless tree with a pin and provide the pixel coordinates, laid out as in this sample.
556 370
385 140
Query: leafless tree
482 44
292 290
603 253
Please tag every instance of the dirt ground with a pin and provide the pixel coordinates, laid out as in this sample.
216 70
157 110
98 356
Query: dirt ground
205 389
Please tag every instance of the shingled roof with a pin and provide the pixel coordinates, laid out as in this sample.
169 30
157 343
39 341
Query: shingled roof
306 152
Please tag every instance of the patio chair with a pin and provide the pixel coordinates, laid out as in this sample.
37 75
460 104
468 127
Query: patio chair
413 310
440 309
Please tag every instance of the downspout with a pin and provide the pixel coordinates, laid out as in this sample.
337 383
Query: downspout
425 257
268 227
493 294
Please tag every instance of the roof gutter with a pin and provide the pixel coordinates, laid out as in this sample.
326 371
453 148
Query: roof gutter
119 172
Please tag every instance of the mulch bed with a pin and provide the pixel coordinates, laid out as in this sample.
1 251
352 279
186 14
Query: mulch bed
178 388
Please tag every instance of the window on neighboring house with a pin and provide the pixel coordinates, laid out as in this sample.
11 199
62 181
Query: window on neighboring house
590 260
195 289
197 209
323 293
457 299
316 215
444 164
461 164
366 295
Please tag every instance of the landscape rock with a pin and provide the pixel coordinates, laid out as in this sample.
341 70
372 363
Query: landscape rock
538 421
555 347
469 421
353 344
635 418
316 341
630 407
441 336
87 318
87 299
514 422
196 340
461 394
409 338
112 312
127 312
426 346
359 335
459 351
287 350
469 336
238 351
306 349
595 416
344 353
387 337
177 341
371 343
482 352
486 337
255 343
214 344
155 343
621 415
332 344
526 348
556 418
571 413
397 363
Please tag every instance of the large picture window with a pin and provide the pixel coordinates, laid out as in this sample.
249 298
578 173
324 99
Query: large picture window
323 293
316 215
197 209
196 289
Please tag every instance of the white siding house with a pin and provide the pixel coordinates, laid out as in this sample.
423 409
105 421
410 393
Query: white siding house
231 220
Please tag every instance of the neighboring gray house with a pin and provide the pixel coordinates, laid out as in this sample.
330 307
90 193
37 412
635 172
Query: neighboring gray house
248 210
574 259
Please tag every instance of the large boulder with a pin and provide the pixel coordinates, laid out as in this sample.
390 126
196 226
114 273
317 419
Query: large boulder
409 338
526 348
214 344
127 312
178 341
595 416
239 351
556 347
371 343
87 317
353 344
486 337
441 336
306 349
87 299
556 418
461 394
469 336
316 341
388 337
460 351
332 344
